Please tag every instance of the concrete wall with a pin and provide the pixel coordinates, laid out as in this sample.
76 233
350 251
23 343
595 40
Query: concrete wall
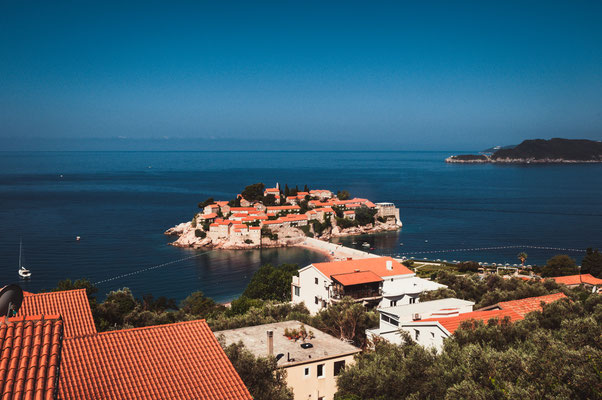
428 335
310 387
309 290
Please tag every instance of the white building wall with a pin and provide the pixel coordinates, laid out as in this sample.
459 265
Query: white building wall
309 290
426 335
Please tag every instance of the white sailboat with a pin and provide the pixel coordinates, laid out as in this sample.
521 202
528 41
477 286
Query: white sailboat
23 272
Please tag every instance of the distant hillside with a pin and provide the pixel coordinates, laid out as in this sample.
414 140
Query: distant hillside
553 150
540 151
492 150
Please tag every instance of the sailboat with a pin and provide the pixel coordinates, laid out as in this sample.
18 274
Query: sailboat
23 272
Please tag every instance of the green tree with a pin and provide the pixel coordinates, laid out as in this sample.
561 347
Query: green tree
346 319
365 215
205 203
253 192
522 256
560 265
111 313
343 195
287 191
260 375
272 283
306 188
200 305
592 263
67 284
269 200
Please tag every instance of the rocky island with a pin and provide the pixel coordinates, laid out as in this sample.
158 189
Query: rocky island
540 151
271 217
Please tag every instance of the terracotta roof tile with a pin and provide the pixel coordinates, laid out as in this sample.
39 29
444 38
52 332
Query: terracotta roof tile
451 324
525 306
176 361
30 355
377 265
357 278
71 305
578 279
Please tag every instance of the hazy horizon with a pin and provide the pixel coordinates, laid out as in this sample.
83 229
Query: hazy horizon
280 75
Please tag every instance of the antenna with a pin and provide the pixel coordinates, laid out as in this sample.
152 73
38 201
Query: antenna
11 298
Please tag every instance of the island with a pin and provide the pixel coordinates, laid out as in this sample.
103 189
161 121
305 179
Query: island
539 151
270 217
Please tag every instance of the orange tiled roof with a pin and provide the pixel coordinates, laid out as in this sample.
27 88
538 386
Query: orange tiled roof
357 278
71 305
30 354
279 208
377 265
176 361
325 209
222 203
235 210
525 306
578 279
272 190
208 216
294 217
451 324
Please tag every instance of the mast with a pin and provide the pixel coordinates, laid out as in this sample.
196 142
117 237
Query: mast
20 245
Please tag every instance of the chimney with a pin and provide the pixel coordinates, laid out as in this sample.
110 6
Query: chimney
389 265
270 343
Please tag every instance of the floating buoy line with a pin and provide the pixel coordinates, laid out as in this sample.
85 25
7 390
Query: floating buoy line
492 248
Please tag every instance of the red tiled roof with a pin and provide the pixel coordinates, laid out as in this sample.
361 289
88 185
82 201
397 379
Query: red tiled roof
294 217
71 305
30 354
273 190
234 210
222 203
525 306
357 278
325 209
280 208
349 212
176 361
451 324
208 216
273 222
578 279
377 265
255 228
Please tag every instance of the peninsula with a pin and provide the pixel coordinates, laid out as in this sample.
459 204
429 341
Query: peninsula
271 217
540 151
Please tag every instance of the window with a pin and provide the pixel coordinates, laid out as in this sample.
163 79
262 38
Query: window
316 280
393 303
316 299
338 367
307 372
297 291
320 370
412 300
417 333
432 335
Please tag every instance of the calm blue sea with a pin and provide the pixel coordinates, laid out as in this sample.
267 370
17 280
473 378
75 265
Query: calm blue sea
121 202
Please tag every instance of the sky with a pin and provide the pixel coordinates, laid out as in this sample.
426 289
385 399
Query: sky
298 75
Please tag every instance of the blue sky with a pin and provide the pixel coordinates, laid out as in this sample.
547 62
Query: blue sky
391 75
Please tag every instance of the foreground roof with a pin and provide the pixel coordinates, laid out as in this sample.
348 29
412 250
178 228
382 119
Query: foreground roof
377 265
30 354
255 340
451 324
71 305
578 279
525 306
356 278
176 361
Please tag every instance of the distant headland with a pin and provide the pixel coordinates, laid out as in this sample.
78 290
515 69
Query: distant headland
539 151
272 217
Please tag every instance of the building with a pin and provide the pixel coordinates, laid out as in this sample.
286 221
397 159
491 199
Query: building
379 281
431 332
349 214
587 280
388 211
391 318
57 353
321 193
273 191
311 370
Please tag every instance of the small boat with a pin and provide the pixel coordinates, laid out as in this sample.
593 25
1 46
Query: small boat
366 244
401 244
23 272
78 238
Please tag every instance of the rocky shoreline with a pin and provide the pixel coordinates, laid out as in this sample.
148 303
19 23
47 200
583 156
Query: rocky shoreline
287 237
489 160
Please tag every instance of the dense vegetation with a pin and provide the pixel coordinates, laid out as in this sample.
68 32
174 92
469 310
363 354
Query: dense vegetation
553 149
553 354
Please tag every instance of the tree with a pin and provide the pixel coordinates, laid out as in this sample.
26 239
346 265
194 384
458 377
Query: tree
346 319
67 284
111 313
253 192
287 191
271 283
592 263
522 256
559 265
306 188
205 203
365 215
260 375
343 195
269 200
200 305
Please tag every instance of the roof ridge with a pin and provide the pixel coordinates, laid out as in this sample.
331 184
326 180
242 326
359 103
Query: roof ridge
145 328
36 317
55 292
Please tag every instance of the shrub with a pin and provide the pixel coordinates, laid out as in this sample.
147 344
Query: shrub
344 223
200 234
248 241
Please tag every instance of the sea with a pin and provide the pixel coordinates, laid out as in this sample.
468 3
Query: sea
120 203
